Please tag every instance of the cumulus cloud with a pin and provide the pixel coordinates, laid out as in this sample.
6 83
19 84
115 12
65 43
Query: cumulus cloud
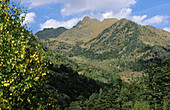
29 18
138 19
123 13
155 20
55 24
144 20
78 6
127 13
167 29
35 3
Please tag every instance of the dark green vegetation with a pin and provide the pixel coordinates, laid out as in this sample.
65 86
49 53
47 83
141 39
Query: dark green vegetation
116 58
65 79
50 32
125 67
124 46
149 92
123 43
79 92
23 66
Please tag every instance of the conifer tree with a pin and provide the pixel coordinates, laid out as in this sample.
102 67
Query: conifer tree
157 81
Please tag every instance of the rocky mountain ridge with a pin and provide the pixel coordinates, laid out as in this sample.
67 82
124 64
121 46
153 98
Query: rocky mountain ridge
117 44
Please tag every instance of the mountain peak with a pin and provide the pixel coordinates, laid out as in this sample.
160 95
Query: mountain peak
110 19
86 19
126 20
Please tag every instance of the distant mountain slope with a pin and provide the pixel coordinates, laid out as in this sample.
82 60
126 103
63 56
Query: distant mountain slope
116 44
50 32
128 44
84 31
126 35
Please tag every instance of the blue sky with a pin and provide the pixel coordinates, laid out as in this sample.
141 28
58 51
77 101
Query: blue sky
55 13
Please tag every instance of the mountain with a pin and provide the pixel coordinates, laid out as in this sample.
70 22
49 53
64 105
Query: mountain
128 39
84 77
50 32
112 45
84 31
126 45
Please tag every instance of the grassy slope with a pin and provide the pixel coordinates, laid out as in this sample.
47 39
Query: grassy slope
84 31
50 32
123 46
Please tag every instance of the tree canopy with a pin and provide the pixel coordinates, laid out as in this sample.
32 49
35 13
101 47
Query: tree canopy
23 67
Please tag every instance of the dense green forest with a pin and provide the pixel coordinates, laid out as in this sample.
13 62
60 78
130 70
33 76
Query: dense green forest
32 76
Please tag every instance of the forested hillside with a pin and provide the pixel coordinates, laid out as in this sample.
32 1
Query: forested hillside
125 47
121 66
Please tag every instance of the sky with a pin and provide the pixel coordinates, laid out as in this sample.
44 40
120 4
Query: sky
67 13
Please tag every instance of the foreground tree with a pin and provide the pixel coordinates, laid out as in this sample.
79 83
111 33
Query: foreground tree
23 67
157 81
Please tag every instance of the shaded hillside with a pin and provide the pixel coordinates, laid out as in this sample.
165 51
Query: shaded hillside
70 85
64 82
50 32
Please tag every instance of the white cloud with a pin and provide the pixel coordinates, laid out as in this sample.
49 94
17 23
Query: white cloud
35 3
127 13
29 17
155 20
138 19
55 24
144 20
78 6
167 29
123 13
